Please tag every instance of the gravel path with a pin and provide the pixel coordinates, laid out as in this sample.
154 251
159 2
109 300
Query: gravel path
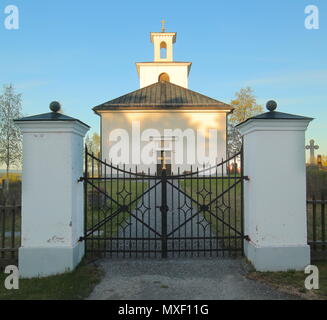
194 279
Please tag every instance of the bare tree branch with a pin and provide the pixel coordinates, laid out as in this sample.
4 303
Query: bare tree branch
10 135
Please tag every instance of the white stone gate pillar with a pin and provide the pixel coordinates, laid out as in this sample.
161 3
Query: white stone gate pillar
275 216
52 197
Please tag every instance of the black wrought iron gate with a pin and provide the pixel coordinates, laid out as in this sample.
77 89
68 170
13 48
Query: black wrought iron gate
136 214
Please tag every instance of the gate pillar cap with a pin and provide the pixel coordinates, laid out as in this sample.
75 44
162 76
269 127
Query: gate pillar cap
55 115
280 118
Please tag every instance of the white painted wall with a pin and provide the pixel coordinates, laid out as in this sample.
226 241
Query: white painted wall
167 37
275 196
149 73
52 198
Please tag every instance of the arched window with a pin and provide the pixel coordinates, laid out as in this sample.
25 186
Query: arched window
164 77
163 50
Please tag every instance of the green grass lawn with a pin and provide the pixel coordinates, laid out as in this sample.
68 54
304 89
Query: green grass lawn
75 285
293 281
226 209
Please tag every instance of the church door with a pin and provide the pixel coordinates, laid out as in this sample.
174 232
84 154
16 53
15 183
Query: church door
163 160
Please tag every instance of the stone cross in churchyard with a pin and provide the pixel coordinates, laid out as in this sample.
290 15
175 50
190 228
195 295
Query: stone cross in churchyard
312 147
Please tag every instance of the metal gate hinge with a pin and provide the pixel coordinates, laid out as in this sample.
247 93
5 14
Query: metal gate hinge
81 179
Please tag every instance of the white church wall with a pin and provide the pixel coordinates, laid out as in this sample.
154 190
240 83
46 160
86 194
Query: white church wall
203 124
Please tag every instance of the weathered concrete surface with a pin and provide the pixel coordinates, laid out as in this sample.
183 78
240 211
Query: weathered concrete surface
213 279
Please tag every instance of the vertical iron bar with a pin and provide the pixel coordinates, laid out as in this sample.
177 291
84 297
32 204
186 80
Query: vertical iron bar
105 206
111 211
155 215
99 203
179 212
143 204
204 186
198 215
149 217
242 196
236 226
223 202
13 229
136 213
191 180
164 212
85 197
229 208
92 204
314 216
172 214
3 236
130 210
124 212
210 216
117 182
217 210
323 228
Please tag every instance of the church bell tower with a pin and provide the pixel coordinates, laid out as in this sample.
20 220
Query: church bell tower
163 43
163 67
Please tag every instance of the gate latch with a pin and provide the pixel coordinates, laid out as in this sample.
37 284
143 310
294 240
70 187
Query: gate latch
163 208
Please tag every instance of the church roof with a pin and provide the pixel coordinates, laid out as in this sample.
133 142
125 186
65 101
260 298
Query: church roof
163 95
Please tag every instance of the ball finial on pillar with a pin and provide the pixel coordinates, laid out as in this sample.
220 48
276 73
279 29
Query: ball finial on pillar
271 105
55 106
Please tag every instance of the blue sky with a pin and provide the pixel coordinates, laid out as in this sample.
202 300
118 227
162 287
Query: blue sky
83 53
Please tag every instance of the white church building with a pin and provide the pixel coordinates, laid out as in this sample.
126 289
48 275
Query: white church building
163 123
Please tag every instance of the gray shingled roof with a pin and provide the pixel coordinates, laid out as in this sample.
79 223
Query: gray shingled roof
163 95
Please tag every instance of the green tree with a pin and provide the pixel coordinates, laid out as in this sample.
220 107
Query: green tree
93 144
10 135
245 106
93 147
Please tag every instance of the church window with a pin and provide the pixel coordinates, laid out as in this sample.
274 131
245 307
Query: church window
164 77
163 50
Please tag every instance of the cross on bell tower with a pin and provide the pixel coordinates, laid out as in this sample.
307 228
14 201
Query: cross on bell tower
163 44
163 26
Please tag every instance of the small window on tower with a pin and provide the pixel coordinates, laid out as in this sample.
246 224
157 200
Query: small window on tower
164 77
163 50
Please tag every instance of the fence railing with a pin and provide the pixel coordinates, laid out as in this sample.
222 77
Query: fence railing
10 231
316 213
10 228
